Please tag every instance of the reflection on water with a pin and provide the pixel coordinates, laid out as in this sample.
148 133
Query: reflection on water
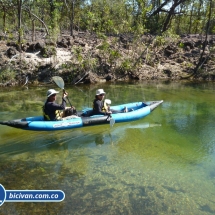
162 164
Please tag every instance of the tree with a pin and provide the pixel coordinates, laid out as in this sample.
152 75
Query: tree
201 60
71 12
5 7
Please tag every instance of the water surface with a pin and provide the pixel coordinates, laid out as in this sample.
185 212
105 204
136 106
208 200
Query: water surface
161 164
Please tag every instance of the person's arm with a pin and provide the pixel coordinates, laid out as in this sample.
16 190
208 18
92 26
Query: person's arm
52 106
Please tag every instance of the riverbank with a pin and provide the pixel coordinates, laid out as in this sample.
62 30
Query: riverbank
89 58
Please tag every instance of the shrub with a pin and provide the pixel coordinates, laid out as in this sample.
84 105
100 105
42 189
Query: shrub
7 74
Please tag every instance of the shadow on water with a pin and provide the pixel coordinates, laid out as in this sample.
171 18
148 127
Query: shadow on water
207 209
25 142
16 142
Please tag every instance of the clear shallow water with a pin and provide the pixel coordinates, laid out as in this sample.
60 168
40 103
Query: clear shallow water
161 164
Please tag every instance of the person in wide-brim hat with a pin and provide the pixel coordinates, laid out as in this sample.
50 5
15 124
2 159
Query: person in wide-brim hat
52 110
99 106
50 92
100 92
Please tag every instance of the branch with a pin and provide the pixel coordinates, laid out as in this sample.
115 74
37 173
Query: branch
159 8
28 10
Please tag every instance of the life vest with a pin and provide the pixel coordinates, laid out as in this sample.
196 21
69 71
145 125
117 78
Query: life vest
58 115
105 107
46 116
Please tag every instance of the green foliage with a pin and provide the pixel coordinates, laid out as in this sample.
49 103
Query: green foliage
65 66
172 37
10 37
181 45
6 74
104 46
91 21
77 53
110 54
213 30
114 55
108 16
48 51
90 63
160 41
166 38
101 35
126 65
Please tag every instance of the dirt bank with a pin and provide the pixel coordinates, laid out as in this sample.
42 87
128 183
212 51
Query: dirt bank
88 58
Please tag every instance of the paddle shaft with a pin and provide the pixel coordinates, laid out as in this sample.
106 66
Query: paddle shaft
60 83
67 98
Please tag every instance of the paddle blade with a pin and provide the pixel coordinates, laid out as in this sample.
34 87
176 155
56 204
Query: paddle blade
59 81
112 122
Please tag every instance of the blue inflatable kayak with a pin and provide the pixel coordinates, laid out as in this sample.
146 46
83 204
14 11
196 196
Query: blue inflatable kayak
136 110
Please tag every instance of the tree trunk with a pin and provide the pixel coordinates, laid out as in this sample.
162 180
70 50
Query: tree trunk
33 30
43 23
4 19
191 16
72 18
168 19
19 4
201 62
198 16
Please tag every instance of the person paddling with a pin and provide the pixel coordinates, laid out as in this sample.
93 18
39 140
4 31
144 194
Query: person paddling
53 111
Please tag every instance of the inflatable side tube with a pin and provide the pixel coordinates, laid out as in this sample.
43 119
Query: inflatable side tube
15 124
87 121
155 104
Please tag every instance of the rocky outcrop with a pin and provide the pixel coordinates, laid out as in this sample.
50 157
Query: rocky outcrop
86 58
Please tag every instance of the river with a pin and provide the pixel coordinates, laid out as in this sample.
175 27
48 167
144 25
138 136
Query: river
161 164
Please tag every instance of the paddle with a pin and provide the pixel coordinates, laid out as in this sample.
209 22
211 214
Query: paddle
112 122
60 83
